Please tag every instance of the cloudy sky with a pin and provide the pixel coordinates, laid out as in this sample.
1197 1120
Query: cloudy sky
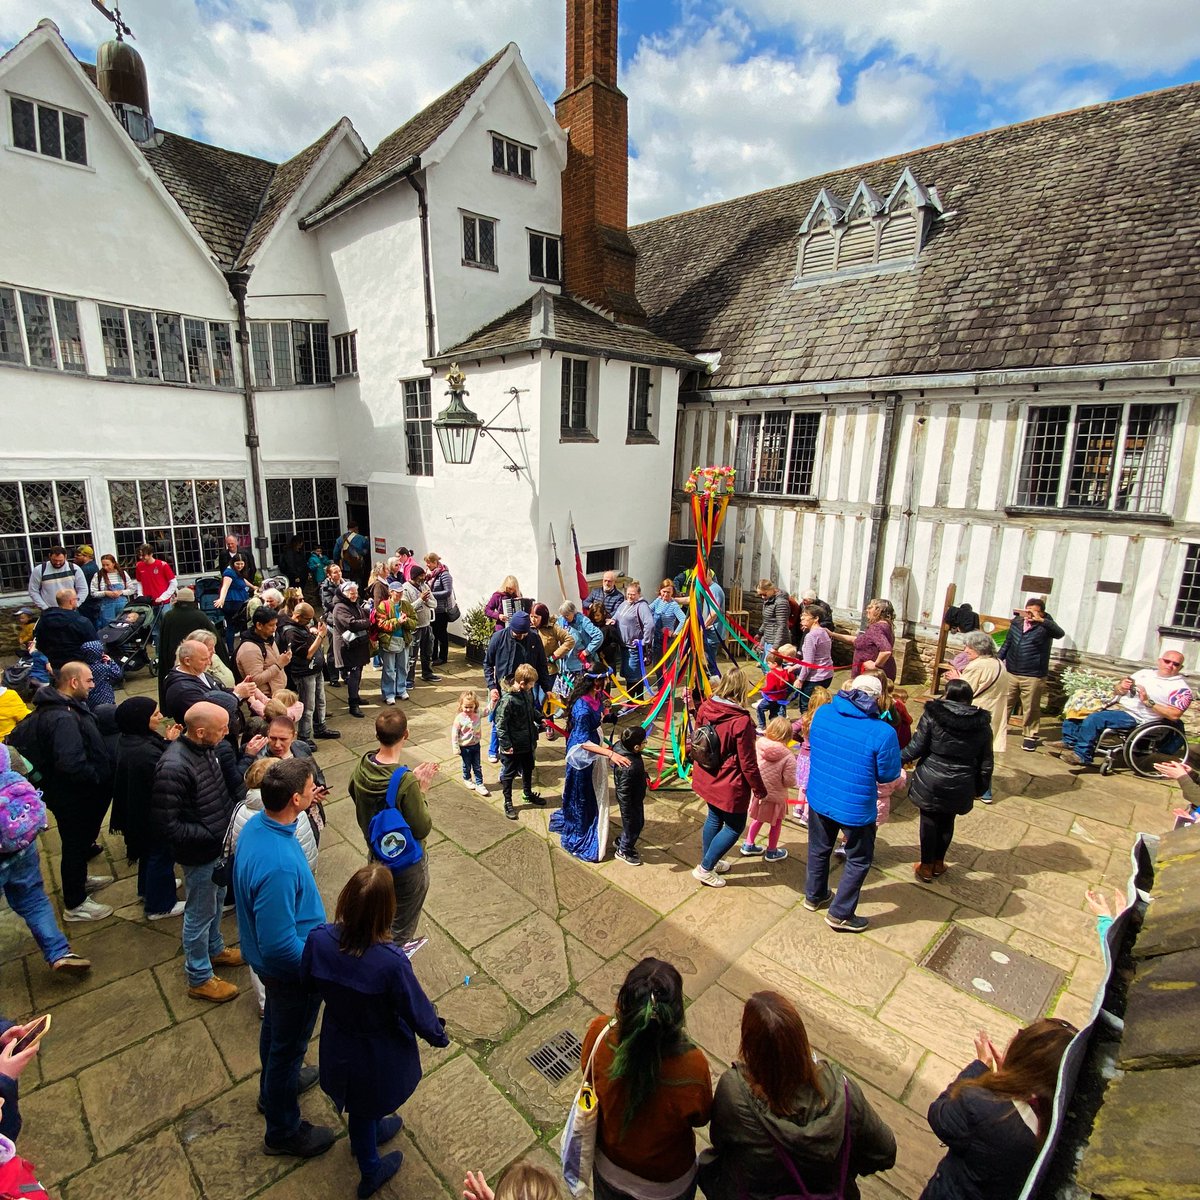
725 98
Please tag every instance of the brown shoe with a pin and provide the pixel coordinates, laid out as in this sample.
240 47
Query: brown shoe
214 989
939 869
923 872
1056 747
71 963
232 957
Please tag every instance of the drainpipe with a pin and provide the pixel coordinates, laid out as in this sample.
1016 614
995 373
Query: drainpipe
879 510
238 281
423 213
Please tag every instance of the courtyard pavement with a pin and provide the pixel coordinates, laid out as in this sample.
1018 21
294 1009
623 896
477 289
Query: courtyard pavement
142 1092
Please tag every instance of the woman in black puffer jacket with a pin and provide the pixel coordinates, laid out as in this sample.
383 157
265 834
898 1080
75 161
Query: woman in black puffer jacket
952 748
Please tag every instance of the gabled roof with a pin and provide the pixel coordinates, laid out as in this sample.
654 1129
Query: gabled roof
1063 241
408 142
551 321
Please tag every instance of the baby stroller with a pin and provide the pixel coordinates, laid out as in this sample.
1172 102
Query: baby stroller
207 590
127 639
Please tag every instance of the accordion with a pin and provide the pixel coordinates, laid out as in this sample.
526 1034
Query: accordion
512 604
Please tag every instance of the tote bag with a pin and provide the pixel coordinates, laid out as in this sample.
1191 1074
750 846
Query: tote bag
583 1122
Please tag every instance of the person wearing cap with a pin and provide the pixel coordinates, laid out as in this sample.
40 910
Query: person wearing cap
851 752
420 595
508 649
394 619
352 620
85 560
183 619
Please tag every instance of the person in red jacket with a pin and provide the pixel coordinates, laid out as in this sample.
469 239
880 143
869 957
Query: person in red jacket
726 790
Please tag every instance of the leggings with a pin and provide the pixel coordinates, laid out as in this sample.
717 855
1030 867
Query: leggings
937 832
772 836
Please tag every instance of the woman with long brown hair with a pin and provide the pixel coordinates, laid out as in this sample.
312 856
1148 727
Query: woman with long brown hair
784 1121
995 1116
374 1012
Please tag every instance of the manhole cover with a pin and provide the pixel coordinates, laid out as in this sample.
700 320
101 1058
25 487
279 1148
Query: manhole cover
994 972
558 1057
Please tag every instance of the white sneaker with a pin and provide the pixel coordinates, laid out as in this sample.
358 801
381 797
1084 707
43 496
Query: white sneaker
493 758
94 883
482 790
176 911
401 695
89 910
722 868
709 877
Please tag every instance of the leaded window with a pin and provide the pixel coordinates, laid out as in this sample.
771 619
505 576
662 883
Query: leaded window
418 426
545 257
50 325
42 129
479 241
35 515
776 453
306 508
573 412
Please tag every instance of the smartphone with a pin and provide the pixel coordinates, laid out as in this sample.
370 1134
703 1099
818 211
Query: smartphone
34 1034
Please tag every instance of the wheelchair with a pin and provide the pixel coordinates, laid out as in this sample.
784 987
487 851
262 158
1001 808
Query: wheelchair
1141 747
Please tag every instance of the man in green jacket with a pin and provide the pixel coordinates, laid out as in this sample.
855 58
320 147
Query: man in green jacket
368 790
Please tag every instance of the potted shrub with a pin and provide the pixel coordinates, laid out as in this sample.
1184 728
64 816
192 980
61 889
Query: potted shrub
478 627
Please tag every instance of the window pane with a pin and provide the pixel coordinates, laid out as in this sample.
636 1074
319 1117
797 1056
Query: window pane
39 507
70 341
320 351
497 152
74 141
772 448
173 361
145 352
154 501
123 500
15 564
526 163
237 508
553 270
39 334
302 498
745 456
10 333
196 339
208 502
512 158
1143 477
260 353
279 500
487 243
469 251
222 351
1042 461
188 559
116 341
303 352
24 133
1093 455
48 136
536 256
1187 606
183 503
327 498
802 458
281 346
11 518
72 505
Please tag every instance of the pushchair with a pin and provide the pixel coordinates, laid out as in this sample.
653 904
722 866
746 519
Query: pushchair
127 638
207 589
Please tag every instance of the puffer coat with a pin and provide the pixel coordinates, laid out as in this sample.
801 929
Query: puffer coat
191 804
851 752
953 751
776 613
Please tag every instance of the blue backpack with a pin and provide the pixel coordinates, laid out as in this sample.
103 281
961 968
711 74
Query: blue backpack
388 834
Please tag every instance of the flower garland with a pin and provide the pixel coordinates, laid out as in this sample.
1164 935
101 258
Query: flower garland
711 479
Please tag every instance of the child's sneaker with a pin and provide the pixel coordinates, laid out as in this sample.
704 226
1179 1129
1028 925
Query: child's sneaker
532 798
839 852
482 790
776 855
749 849
630 857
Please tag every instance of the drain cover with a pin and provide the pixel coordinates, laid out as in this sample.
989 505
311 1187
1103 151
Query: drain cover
994 972
558 1057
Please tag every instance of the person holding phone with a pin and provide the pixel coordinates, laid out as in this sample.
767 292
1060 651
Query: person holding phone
19 1045
1026 656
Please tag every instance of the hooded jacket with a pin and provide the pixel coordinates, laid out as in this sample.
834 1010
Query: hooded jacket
368 790
518 722
191 802
777 766
62 739
953 751
506 652
743 1163
60 634
348 617
138 751
851 752
730 785
1027 653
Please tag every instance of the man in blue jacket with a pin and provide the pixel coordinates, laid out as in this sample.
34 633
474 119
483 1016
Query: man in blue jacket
851 752
1026 655
278 905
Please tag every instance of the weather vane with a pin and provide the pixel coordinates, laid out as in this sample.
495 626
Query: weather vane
114 15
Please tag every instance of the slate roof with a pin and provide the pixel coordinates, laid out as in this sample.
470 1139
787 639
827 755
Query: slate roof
549 320
414 137
1066 240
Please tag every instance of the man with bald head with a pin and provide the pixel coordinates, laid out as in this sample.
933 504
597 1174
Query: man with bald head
62 740
61 631
190 683
191 806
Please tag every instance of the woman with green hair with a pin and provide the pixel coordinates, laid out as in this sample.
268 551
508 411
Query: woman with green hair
653 1087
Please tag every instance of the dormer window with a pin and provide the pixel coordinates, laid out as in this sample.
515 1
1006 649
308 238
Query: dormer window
511 158
866 234
41 129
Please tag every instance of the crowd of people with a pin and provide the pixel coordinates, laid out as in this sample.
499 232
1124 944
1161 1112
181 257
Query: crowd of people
218 778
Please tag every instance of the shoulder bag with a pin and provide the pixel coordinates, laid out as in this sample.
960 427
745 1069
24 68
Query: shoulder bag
583 1123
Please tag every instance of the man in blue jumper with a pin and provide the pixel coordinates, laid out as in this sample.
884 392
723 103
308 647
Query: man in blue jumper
277 906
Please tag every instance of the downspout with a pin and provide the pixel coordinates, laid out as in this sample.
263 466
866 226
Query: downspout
879 510
423 214
238 281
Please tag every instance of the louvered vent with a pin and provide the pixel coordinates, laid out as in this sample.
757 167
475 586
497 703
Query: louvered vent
857 247
818 253
898 239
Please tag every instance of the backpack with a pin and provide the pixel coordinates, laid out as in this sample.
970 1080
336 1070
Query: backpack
22 813
388 835
25 737
704 746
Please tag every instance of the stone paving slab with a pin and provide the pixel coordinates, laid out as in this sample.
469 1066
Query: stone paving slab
529 961
156 1167
523 862
470 902
54 1133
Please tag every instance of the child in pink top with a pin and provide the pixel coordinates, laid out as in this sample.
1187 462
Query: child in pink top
777 766
819 696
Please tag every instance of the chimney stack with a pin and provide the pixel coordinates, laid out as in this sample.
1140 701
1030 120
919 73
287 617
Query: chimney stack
599 259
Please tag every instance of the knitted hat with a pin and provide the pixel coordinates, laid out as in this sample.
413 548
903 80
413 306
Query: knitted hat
519 622
186 594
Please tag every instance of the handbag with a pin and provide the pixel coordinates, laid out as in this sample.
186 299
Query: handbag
453 612
222 875
583 1123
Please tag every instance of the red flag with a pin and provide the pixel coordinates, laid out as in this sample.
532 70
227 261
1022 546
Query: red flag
580 577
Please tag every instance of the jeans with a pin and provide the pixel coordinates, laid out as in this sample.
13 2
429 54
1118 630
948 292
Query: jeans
394 677
518 762
860 851
721 830
767 709
202 939
1082 736
21 881
471 765
422 644
288 1019
937 832
111 608
441 639
79 819
494 740
808 687
631 671
311 690
353 683
712 643
156 881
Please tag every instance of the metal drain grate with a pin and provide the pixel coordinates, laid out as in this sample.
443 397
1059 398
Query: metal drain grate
992 971
558 1058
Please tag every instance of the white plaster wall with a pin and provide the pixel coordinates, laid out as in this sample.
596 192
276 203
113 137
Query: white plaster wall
467 298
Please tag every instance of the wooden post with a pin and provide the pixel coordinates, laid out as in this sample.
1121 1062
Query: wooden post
940 651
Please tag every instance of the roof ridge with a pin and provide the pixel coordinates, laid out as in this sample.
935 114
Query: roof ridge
966 137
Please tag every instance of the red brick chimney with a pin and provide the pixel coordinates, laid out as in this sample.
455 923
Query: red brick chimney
599 259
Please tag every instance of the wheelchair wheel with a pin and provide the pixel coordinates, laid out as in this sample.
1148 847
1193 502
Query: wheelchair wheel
1150 744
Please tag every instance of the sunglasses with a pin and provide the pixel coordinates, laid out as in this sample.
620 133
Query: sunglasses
1171 662
1063 1024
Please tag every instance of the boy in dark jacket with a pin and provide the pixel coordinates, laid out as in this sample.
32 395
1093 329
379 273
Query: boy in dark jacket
518 724
630 784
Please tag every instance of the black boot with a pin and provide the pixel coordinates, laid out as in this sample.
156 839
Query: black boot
509 811
323 731
355 711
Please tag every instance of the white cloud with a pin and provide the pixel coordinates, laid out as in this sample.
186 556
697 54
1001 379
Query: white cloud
710 120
